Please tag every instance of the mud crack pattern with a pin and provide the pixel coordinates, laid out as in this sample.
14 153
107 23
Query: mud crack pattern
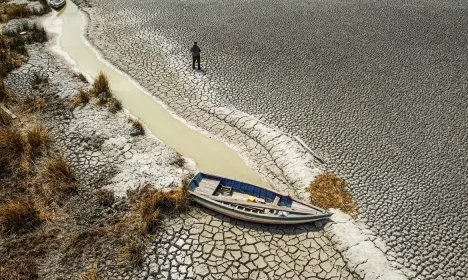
378 87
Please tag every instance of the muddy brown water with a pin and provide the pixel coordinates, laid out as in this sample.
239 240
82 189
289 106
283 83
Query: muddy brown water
211 155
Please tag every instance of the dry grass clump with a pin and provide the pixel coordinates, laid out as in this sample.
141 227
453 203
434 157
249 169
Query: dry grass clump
9 60
5 93
91 274
12 148
82 98
114 105
18 11
20 268
33 103
18 149
133 250
37 138
101 89
82 78
106 198
5 119
178 161
153 205
138 128
60 177
19 216
330 191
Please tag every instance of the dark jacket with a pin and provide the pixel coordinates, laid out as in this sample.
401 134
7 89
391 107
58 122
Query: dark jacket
195 50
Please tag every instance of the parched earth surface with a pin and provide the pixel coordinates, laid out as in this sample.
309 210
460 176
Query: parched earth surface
377 87
197 245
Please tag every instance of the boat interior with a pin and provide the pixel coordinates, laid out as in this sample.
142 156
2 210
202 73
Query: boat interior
248 197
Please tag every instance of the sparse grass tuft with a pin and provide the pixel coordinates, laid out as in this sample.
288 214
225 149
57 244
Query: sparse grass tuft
5 119
38 80
106 198
114 105
60 177
33 103
19 268
5 93
152 205
92 274
18 216
101 86
133 250
178 161
37 138
138 128
12 148
82 78
82 98
18 11
330 191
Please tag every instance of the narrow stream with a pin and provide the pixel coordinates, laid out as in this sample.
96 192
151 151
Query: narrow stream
210 155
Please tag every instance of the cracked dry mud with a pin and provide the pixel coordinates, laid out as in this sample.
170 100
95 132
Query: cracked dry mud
197 245
378 87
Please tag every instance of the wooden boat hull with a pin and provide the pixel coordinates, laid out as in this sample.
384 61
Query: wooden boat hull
256 218
203 192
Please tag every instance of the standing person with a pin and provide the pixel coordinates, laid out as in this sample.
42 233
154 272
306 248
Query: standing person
195 50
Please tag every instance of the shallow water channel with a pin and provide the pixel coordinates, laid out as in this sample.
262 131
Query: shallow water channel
210 155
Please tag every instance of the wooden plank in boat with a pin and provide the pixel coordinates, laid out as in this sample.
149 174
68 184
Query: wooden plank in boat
207 186
264 206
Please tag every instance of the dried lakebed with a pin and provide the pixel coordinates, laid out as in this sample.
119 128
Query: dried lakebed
198 244
378 87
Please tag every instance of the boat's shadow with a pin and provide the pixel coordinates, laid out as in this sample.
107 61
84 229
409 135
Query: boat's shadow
273 229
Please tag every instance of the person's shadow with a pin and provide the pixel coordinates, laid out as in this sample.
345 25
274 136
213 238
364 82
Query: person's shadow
202 71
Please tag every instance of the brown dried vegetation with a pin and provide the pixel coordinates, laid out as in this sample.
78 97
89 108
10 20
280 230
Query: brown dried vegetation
138 128
105 198
33 103
5 93
92 274
114 105
19 216
59 177
153 205
82 98
101 88
330 191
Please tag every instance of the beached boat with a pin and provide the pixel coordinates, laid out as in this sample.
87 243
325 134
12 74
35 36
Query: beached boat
57 3
251 203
